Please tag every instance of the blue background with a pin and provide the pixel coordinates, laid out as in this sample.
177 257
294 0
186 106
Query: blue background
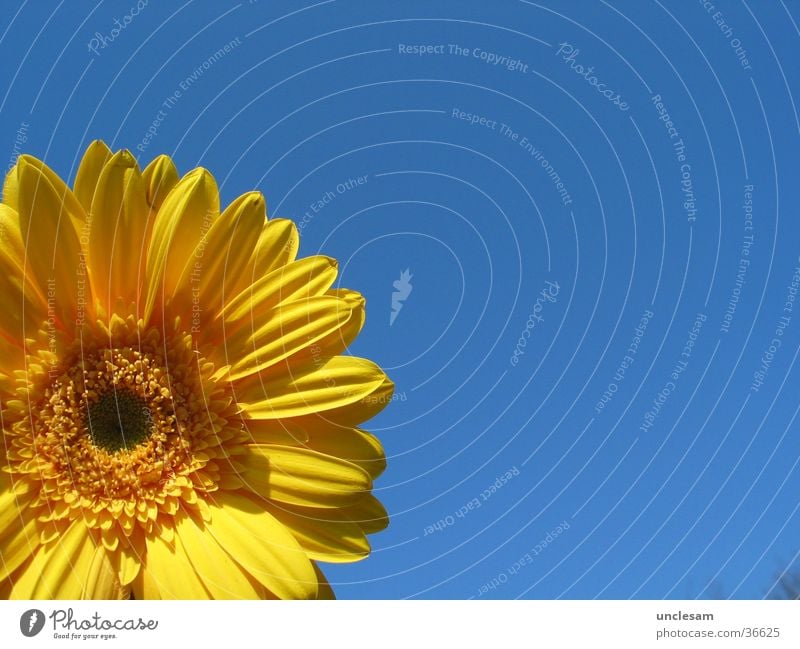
703 503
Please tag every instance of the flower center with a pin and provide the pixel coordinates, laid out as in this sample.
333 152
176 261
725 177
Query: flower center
119 420
128 425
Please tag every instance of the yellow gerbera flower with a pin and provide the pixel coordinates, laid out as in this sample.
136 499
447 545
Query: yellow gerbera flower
177 419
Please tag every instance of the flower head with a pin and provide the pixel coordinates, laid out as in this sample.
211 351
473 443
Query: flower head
178 420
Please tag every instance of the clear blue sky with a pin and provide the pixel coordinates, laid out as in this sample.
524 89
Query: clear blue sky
493 160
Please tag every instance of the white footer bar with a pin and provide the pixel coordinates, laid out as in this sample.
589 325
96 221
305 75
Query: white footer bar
382 624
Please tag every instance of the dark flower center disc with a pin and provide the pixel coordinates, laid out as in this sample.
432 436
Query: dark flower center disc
119 420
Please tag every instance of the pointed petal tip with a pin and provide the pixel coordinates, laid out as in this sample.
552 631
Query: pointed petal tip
201 179
23 161
162 160
256 199
252 203
199 172
123 158
283 221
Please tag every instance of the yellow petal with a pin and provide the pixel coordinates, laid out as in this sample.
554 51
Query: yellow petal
169 571
55 257
25 307
117 245
302 477
346 416
11 189
129 562
356 446
185 216
369 513
288 329
341 382
262 546
60 569
160 176
325 590
272 431
325 535
351 444
101 580
145 587
338 342
277 246
95 158
71 205
298 280
228 249
11 238
19 539
219 573
11 506
332 344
